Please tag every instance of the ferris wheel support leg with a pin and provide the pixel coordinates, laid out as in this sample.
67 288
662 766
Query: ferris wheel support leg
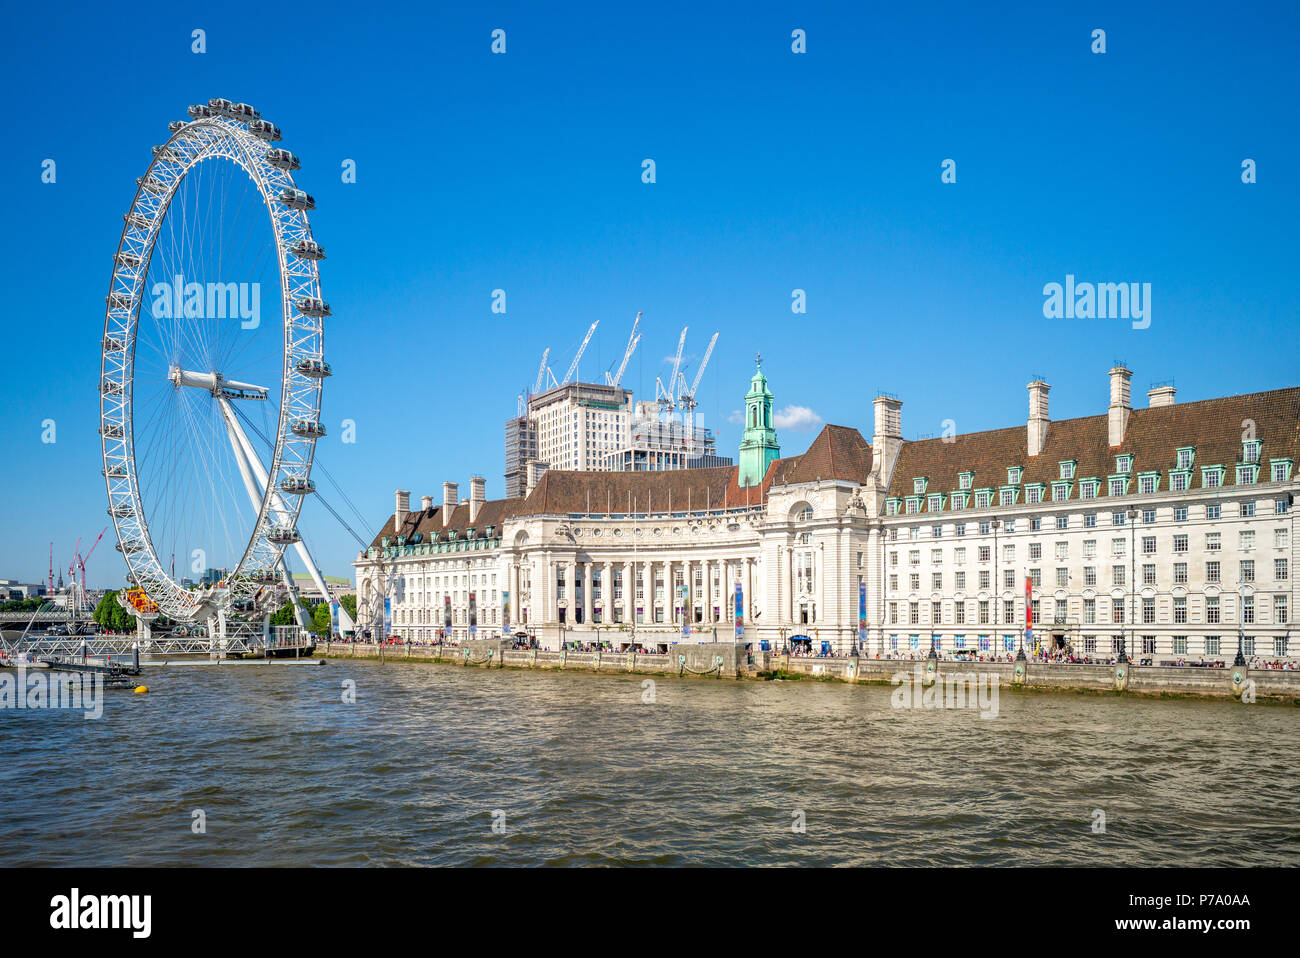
143 633
255 481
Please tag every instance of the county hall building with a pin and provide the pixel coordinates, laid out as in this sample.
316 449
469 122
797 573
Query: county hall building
1166 528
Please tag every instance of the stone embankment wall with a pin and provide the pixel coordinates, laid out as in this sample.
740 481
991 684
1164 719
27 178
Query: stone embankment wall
726 661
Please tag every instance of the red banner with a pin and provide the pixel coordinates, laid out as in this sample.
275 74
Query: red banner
1029 603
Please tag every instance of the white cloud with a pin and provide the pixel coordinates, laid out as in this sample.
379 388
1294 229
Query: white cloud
797 419
736 418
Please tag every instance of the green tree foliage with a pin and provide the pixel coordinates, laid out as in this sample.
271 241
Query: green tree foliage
110 615
349 602
320 619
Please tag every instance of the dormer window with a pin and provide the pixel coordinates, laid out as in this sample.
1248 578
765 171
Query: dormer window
1034 493
918 485
1247 474
1250 450
965 479
1013 475
1148 483
1124 464
935 503
1186 456
1281 469
1067 469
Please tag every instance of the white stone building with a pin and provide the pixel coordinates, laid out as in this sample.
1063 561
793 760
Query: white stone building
1158 527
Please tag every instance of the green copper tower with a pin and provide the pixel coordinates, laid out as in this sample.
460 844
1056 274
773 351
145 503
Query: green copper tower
758 445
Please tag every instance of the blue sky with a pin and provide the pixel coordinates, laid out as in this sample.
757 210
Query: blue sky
775 171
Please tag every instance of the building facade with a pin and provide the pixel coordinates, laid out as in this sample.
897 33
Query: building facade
1164 528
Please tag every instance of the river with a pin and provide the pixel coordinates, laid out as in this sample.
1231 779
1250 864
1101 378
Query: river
279 770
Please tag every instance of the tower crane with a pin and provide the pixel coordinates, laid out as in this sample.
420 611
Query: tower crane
541 370
573 366
664 396
686 399
632 340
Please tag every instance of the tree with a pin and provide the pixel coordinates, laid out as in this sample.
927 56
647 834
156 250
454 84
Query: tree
283 615
321 619
349 602
110 615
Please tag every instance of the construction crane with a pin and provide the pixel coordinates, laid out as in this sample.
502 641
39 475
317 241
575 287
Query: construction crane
541 371
573 366
82 560
686 398
632 340
664 396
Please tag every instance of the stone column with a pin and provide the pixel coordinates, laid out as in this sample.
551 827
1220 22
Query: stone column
587 592
570 590
607 594
629 592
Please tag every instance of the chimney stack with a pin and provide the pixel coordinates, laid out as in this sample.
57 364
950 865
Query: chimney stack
1121 405
426 503
477 495
1161 396
1039 419
401 509
887 440
449 501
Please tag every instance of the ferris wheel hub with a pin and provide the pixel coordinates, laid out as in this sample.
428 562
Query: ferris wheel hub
215 383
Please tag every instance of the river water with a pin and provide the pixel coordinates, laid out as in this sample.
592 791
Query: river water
586 772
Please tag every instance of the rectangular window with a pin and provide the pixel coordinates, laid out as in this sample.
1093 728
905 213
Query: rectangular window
1280 570
1090 520
1180 645
1212 609
1213 511
1148 611
1211 645
1180 514
1247 570
1180 573
1180 609
1090 611
1180 543
1280 609
1212 573
1213 541
1090 575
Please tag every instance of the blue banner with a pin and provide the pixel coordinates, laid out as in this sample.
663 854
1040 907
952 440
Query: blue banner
862 614
685 601
334 618
740 612
473 614
505 613
388 618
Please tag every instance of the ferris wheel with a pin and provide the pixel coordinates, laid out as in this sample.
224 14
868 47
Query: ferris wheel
192 371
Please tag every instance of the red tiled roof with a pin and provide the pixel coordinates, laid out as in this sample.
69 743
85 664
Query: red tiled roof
1215 427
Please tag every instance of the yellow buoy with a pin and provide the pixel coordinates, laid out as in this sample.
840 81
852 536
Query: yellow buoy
141 689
